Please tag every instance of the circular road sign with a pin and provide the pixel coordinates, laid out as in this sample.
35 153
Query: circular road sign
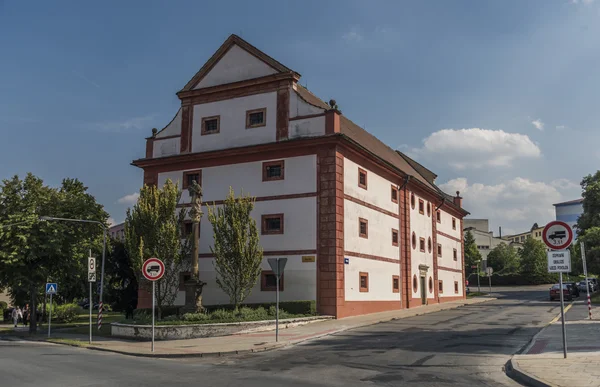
153 269
557 235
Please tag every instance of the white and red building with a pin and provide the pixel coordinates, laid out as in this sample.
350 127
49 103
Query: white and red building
364 228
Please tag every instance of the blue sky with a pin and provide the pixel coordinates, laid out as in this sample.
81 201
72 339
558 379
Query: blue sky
497 97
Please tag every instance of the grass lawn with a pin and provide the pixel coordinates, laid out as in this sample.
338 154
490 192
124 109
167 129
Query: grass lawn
596 298
82 321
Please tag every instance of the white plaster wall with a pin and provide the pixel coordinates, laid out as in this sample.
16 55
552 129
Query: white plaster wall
300 177
379 241
421 225
167 147
571 209
233 132
300 225
300 283
447 259
236 65
173 128
299 107
449 277
308 127
380 280
446 225
378 192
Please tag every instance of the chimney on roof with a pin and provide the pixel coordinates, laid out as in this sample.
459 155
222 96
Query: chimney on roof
458 199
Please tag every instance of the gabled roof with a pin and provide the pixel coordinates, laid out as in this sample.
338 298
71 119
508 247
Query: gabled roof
429 175
230 42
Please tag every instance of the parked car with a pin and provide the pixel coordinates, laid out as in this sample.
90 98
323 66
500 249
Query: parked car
555 295
582 286
572 288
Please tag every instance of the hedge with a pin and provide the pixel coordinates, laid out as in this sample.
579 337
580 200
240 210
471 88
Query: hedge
514 280
291 307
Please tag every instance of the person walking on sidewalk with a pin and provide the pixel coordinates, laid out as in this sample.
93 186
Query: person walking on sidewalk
16 314
26 314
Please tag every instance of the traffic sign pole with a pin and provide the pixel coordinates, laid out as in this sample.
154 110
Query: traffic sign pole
50 316
587 284
478 273
562 316
153 302
277 309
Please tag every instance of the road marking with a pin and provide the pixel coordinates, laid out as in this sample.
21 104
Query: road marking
555 319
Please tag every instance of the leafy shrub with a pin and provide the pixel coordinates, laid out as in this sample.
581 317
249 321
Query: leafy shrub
66 313
250 314
195 317
142 316
221 314
292 307
3 305
167 311
171 318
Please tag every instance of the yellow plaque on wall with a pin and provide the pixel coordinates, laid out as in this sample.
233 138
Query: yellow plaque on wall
308 258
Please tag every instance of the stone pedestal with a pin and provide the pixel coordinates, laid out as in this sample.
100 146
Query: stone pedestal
193 296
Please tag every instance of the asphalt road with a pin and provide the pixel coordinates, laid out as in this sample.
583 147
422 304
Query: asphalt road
461 347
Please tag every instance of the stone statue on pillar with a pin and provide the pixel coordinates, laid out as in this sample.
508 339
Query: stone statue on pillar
193 286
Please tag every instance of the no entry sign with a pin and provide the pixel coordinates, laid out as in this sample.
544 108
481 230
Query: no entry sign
557 235
153 269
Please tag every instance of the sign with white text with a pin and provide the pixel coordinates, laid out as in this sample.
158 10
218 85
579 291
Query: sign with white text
559 261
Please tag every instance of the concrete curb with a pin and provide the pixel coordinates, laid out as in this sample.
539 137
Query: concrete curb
516 373
262 348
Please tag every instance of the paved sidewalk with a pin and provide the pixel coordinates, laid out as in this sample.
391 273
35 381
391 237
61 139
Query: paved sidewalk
251 342
542 362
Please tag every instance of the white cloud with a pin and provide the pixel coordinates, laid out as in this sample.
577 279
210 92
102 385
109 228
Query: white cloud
353 36
516 204
476 148
135 123
561 127
539 125
111 221
130 200
582 1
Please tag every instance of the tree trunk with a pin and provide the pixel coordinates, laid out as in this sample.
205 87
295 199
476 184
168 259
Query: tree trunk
33 311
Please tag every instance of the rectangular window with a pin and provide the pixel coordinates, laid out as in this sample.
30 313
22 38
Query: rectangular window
268 281
439 250
439 216
456 287
453 223
394 237
455 255
363 228
256 118
272 224
273 170
183 277
396 284
362 178
422 244
441 286
188 228
394 194
421 206
210 125
364 282
190 176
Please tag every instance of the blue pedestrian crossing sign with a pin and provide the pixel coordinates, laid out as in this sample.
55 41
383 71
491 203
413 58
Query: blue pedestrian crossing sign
51 288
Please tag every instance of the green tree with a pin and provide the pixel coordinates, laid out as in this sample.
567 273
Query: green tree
237 251
121 280
153 228
34 252
503 259
534 260
588 224
472 255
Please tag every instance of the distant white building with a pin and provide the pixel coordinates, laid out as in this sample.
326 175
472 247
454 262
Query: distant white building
485 240
569 212
117 231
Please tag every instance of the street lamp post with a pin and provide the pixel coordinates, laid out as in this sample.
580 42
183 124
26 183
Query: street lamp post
46 218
